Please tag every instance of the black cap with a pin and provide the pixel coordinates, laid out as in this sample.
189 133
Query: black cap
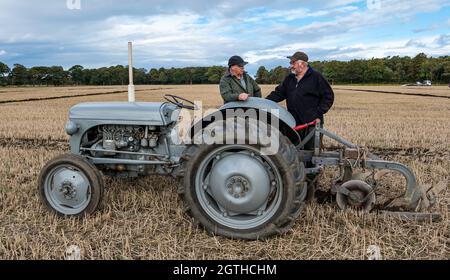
299 56
236 60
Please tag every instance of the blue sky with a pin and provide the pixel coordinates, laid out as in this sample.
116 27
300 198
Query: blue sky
202 33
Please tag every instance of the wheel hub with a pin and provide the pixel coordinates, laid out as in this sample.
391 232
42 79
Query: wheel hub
356 194
239 183
68 190
237 186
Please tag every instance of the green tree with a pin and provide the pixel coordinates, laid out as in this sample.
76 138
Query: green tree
215 73
178 76
354 71
415 66
378 72
140 76
445 77
58 76
4 72
199 75
100 76
119 75
39 75
19 75
163 78
154 76
76 74
278 74
189 75
262 75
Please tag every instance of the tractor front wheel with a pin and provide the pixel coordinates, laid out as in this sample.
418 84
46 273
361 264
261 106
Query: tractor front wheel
70 185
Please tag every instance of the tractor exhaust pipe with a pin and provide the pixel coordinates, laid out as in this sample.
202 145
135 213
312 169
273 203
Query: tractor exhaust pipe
131 94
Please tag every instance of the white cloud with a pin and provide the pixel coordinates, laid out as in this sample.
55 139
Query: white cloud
358 20
176 40
296 14
330 49
431 45
180 33
2 52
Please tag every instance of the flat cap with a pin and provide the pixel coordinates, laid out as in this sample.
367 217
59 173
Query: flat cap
236 60
299 56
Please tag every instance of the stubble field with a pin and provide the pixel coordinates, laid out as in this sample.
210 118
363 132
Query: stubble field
143 219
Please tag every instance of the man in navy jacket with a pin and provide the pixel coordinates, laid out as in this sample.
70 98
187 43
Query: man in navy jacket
308 96
307 93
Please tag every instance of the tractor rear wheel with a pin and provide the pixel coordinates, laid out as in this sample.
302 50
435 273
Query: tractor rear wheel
236 191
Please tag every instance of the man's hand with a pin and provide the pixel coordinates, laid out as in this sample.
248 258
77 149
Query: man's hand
243 96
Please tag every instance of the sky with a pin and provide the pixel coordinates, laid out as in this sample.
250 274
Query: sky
180 33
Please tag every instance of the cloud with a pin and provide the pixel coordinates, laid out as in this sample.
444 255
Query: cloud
2 52
202 33
415 43
443 40
427 29
431 45
295 14
390 11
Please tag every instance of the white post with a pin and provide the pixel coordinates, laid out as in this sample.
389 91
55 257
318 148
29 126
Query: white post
131 95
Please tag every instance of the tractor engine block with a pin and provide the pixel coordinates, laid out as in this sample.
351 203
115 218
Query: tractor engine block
116 137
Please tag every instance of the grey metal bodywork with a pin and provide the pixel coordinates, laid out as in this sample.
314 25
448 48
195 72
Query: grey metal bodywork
164 155
149 113
285 119
414 192
88 115
264 105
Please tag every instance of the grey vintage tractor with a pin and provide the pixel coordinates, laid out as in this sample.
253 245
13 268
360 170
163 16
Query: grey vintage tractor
232 188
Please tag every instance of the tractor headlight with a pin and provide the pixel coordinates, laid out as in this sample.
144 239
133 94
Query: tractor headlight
71 128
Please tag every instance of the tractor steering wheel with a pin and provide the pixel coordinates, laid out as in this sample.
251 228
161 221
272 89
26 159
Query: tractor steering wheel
178 101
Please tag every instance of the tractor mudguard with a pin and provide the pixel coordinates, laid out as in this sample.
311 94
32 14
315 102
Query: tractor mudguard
286 120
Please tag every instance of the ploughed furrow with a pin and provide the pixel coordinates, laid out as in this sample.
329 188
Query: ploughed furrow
396 92
26 144
62 144
75 95
407 152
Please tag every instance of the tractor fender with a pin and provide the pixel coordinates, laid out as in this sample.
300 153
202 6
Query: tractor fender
285 119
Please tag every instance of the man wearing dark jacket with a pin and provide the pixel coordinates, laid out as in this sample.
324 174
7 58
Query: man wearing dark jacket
237 85
307 93
308 96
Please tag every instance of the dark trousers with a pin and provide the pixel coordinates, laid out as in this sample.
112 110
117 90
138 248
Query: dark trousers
310 178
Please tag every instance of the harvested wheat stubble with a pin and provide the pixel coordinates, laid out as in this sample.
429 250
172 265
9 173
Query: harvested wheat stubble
378 120
143 219
400 93
42 93
443 91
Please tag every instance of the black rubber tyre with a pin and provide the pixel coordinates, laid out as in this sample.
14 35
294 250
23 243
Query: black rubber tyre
293 195
312 187
79 164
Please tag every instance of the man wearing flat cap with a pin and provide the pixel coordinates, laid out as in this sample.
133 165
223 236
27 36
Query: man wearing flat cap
237 85
308 97
307 93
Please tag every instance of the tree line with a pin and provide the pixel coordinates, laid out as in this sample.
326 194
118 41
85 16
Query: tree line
394 69
388 70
